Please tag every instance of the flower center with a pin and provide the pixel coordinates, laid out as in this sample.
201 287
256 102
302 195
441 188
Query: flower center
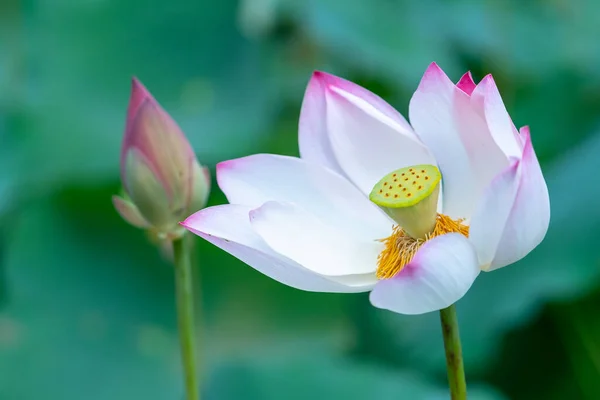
410 196
400 248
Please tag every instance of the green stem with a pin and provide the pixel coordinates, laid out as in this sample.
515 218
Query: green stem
454 360
185 316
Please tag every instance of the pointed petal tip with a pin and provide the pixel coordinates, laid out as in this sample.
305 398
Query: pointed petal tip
185 224
488 81
229 168
241 161
323 76
224 165
433 73
329 82
192 220
319 74
139 95
466 83
321 81
139 90
433 68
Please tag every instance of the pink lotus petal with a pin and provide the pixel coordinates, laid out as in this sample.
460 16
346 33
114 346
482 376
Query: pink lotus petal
492 212
313 139
514 214
529 217
344 86
368 145
318 246
139 94
439 275
486 159
314 130
169 155
466 83
228 227
257 179
487 99
154 133
432 114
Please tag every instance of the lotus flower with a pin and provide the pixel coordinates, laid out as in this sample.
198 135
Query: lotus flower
411 212
161 176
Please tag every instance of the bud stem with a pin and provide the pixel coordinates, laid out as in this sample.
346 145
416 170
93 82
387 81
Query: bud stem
454 359
185 314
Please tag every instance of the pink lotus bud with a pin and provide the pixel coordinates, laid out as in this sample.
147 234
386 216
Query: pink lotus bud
161 176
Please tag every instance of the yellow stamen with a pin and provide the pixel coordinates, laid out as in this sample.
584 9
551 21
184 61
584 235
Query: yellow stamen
400 248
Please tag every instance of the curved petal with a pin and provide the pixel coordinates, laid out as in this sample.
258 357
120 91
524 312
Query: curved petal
432 114
487 98
257 179
228 227
148 194
129 212
530 214
313 140
492 212
358 283
486 159
139 93
324 249
367 143
153 133
440 274
466 83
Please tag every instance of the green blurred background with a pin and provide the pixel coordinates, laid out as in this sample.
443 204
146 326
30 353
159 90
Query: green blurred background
86 302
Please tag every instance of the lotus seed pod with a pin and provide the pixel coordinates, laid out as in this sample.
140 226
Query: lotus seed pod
409 196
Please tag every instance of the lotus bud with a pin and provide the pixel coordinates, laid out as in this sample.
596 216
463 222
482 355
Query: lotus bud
162 179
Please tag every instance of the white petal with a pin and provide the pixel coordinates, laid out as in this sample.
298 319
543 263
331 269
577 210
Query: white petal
317 246
359 283
488 99
367 143
313 140
440 274
530 214
432 115
228 227
485 157
257 179
492 212
366 100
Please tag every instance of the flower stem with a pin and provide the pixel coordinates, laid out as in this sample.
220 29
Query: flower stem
454 360
185 316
